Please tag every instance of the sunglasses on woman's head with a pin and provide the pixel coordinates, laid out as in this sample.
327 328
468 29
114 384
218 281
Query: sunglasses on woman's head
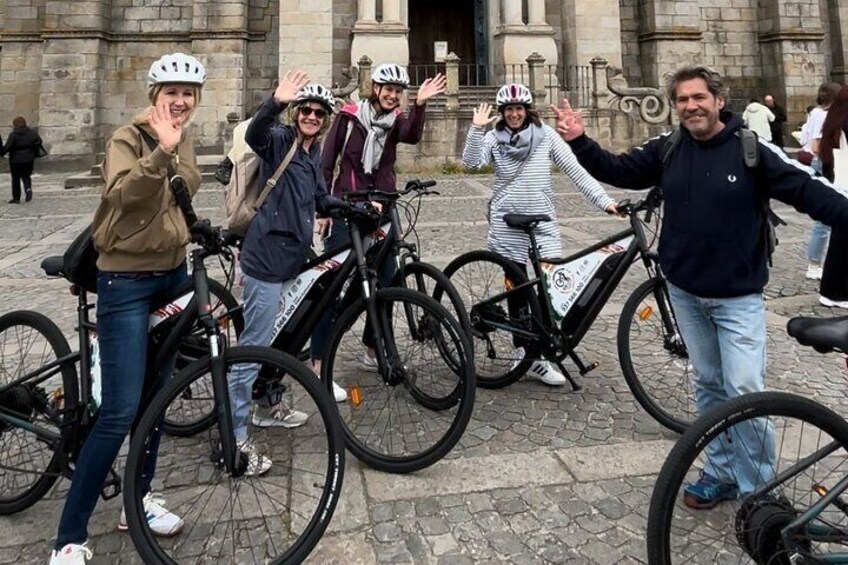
306 111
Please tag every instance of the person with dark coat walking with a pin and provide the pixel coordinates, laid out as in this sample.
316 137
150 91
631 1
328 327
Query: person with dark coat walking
23 147
779 119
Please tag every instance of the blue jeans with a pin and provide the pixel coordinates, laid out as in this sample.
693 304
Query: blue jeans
261 304
321 334
819 237
124 301
726 341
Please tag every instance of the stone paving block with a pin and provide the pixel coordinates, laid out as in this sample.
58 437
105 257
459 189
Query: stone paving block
615 461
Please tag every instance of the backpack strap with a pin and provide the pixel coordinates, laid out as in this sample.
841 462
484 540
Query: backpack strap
175 181
272 182
668 148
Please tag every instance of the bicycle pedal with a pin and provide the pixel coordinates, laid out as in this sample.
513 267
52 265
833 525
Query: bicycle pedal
112 488
592 366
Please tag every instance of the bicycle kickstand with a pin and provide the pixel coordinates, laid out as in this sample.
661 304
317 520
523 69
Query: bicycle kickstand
574 385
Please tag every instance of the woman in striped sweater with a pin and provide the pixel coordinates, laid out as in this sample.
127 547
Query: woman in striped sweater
521 149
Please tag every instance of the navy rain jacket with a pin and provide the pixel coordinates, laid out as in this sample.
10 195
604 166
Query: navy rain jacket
280 234
711 242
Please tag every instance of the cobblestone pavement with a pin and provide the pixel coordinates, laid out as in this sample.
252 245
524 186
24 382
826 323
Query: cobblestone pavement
541 475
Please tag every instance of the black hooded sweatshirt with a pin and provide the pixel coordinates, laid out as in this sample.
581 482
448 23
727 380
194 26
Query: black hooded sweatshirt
712 243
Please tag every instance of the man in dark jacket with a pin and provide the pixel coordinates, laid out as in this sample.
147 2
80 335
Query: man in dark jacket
714 254
779 119
22 146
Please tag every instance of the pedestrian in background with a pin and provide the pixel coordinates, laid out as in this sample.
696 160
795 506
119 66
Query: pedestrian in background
779 119
23 146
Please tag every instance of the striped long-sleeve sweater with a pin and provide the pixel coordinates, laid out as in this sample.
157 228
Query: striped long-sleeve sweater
529 191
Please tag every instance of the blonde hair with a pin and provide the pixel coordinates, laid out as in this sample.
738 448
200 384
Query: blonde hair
153 94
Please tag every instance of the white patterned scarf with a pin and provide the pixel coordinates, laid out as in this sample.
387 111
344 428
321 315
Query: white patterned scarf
378 129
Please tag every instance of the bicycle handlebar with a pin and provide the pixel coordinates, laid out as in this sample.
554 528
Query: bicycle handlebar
213 239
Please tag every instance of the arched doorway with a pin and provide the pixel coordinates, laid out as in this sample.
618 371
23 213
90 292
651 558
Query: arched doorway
462 24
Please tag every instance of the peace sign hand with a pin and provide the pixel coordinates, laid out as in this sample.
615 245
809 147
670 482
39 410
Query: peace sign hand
481 117
569 122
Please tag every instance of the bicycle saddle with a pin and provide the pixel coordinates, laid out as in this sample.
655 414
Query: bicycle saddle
53 266
525 221
823 334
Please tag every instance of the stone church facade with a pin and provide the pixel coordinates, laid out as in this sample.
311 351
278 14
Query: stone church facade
75 68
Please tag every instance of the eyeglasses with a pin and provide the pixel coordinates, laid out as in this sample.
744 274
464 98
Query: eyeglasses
306 111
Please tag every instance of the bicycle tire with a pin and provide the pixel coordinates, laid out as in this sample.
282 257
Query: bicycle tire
496 361
651 385
202 413
441 289
717 424
203 541
424 363
49 472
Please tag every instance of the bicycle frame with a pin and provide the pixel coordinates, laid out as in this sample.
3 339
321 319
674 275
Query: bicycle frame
582 298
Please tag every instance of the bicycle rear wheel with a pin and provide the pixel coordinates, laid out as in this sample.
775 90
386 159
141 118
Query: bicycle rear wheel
499 358
426 278
654 359
194 410
29 464
414 412
277 517
766 434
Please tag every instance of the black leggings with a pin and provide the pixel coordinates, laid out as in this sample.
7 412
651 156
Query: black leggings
834 282
21 172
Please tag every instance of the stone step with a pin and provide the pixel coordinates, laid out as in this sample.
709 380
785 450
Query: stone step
206 163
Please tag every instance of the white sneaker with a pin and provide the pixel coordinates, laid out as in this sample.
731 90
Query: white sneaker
814 272
256 464
71 554
369 363
825 301
279 415
339 393
162 521
544 371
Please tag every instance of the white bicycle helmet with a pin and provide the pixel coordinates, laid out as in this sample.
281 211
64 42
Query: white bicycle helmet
316 93
176 68
390 73
513 93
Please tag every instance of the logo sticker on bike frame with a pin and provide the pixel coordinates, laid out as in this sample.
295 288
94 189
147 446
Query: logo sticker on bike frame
565 282
295 289
169 310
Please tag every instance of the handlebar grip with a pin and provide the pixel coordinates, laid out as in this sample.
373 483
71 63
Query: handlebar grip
427 184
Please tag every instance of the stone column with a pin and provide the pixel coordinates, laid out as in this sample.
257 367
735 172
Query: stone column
391 11
452 86
839 40
792 51
306 38
514 41
511 13
382 42
366 12
72 66
591 28
219 33
669 35
536 12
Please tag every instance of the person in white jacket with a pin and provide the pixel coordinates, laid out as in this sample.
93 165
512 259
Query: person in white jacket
757 118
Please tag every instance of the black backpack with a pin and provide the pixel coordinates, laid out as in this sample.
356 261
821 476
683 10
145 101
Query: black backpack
751 155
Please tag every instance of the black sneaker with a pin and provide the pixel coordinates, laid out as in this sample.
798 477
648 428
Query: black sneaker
28 195
13 201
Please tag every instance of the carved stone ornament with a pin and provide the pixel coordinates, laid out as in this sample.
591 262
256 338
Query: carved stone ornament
652 103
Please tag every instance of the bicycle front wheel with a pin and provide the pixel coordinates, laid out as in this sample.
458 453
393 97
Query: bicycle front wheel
409 414
194 410
768 457
29 464
654 359
276 517
500 359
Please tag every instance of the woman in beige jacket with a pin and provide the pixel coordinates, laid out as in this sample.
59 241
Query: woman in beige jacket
141 236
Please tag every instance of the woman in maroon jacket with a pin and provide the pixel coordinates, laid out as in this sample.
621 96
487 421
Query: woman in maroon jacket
364 137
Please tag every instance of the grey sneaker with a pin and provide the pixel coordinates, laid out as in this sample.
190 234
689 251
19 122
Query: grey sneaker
279 416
